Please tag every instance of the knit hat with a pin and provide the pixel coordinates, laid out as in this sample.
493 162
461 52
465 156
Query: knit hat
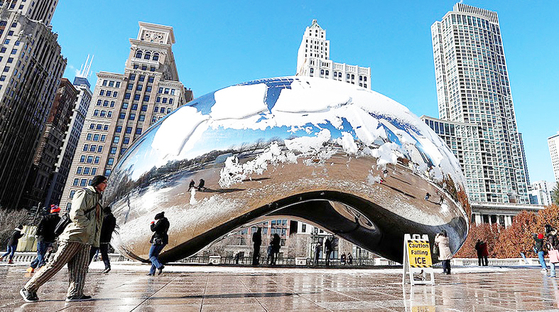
98 179
54 208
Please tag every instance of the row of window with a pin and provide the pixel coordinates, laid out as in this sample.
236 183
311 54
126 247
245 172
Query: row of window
127 96
103 113
105 103
96 137
128 130
94 126
90 159
164 100
161 110
92 148
141 78
80 182
111 83
147 55
86 170
144 67
125 140
108 93
132 116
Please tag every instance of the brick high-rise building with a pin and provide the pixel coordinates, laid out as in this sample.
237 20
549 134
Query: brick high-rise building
125 105
31 67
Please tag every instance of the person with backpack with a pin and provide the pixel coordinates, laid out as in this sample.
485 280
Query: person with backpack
75 243
109 224
45 237
12 243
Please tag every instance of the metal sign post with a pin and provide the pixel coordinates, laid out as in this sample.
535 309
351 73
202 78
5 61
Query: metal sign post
417 260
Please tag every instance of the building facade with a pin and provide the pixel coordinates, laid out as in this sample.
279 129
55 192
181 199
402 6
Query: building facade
540 193
553 144
32 66
72 136
473 88
313 60
50 144
125 105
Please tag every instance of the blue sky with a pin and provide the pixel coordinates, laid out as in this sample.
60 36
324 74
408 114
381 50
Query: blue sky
220 43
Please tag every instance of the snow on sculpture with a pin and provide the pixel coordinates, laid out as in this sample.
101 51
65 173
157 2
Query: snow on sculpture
340 157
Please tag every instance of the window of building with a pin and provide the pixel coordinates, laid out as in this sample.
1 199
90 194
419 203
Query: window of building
97 159
89 159
132 117
103 137
110 161
76 182
139 54
92 148
150 79
147 56
136 97
155 56
89 135
92 126
138 130
79 170
142 78
93 171
95 137
122 116
128 130
85 147
107 172
83 182
113 150
164 100
126 140
117 85
86 170
118 129
142 117
72 192
146 98
109 114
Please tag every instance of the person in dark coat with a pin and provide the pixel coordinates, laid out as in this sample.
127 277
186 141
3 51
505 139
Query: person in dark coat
349 258
482 253
256 242
12 243
107 229
538 249
328 247
317 250
45 237
552 243
275 244
201 186
191 185
159 239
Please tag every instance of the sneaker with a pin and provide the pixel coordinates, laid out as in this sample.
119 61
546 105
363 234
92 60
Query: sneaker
30 270
78 298
107 270
160 270
149 274
28 296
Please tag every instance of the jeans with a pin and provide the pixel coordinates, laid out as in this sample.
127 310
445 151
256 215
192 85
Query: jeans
104 249
42 248
11 250
153 254
446 266
542 259
552 271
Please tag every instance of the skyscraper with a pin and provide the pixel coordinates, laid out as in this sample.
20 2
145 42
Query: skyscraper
473 88
31 68
553 143
125 105
313 60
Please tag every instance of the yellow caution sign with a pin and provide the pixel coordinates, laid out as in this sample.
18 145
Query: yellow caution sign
419 254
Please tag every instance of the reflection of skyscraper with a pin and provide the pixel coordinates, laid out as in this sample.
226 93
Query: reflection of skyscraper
553 143
125 105
313 60
473 88
32 66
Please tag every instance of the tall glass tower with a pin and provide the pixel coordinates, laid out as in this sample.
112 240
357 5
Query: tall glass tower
473 87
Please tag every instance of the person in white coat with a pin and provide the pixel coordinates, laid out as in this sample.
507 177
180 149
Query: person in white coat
441 239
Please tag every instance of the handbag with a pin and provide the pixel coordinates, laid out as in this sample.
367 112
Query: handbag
554 256
435 250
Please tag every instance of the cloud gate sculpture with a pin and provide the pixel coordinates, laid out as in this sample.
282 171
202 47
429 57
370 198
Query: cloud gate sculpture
340 157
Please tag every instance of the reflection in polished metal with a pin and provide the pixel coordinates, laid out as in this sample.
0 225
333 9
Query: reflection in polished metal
343 158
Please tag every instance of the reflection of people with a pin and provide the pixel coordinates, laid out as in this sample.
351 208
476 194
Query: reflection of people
12 244
427 196
201 186
349 258
158 242
445 254
482 253
256 242
109 223
328 248
538 249
342 258
552 243
74 243
191 185
45 237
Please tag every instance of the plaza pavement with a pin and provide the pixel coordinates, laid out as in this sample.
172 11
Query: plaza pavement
229 288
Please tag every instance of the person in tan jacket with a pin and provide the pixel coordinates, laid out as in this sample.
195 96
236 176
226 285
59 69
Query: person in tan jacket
441 239
75 242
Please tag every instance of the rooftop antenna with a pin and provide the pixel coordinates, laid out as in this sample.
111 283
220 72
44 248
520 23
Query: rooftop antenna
85 68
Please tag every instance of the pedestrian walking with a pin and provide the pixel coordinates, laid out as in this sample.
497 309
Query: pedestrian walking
442 241
256 243
45 237
159 239
107 229
539 250
84 231
12 244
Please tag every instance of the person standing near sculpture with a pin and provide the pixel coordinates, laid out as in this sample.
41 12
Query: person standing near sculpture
445 254
109 224
45 237
256 242
317 250
482 253
75 242
328 248
275 244
159 239
12 244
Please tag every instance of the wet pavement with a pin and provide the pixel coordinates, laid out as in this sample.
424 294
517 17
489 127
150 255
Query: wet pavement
219 288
